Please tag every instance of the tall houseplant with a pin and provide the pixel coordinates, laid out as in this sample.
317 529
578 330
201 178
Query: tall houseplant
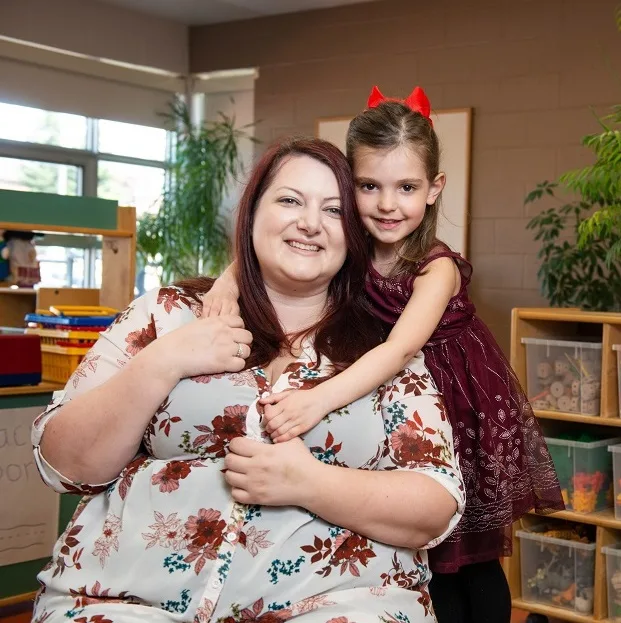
188 236
581 239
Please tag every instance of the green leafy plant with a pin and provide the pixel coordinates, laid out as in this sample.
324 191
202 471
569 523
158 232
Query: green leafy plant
600 185
188 236
571 275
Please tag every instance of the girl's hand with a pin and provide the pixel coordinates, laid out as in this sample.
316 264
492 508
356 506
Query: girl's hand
291 413
221 300
272 475
205 346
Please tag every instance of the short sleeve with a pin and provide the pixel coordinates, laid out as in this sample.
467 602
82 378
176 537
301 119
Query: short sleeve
419 436
134 329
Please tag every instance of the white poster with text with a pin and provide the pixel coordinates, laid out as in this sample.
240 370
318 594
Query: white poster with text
28 508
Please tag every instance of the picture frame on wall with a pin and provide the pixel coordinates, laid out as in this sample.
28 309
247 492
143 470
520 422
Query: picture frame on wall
454 129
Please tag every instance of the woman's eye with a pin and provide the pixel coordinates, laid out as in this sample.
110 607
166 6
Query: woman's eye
289 201
334 211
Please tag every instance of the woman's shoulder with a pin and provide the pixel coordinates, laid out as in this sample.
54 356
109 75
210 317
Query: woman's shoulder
162 309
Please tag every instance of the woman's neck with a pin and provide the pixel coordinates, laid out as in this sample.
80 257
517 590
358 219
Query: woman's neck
297 312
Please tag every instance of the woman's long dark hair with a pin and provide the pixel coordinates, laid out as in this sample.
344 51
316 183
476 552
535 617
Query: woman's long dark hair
347 329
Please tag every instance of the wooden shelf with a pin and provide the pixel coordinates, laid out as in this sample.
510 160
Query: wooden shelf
558 314
67 229
605 518
25 291
552 323
42 388
576 417
552 612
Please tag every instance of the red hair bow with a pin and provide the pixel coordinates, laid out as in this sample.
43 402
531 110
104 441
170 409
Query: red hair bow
416 100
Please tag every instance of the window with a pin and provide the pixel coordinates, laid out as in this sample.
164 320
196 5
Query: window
131 185
20 123
134 141
37 176
46 151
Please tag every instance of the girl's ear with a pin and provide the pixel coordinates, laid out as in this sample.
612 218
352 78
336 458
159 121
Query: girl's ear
435 188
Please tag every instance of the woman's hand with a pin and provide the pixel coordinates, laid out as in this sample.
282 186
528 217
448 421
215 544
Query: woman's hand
205 346
272 475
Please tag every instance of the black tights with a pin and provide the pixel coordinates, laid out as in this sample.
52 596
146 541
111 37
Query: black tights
477 593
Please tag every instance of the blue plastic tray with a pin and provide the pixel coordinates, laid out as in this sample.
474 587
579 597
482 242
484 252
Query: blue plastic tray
71 321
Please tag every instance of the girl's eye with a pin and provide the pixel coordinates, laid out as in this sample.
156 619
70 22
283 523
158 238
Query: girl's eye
289 201
368 186
408 188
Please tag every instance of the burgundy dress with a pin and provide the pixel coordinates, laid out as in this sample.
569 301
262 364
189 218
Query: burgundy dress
504 459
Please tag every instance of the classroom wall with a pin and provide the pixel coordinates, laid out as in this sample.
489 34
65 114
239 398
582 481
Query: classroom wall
529 68
98 29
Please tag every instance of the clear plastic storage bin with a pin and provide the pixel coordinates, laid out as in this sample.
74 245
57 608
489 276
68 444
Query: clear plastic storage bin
557 572
616 471
584 470
563 375
613 581
617 349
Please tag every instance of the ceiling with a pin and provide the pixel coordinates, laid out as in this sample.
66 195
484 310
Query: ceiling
196 12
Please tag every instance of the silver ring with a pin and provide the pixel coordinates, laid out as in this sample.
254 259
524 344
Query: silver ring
239 352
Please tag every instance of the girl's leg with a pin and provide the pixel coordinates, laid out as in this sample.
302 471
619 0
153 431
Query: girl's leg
488 595
449 598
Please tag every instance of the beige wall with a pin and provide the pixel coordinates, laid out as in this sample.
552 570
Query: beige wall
529 68
97 29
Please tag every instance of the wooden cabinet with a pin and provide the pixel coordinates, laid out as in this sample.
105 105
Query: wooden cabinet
559 324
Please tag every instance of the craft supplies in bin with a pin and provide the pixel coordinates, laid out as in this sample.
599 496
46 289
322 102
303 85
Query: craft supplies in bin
67 334
563 375
613 581
584 468
20 358
557 568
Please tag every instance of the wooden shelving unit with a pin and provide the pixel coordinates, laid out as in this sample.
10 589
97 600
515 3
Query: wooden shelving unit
563 323
45 213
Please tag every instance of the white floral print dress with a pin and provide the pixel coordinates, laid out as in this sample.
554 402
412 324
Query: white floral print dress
165 541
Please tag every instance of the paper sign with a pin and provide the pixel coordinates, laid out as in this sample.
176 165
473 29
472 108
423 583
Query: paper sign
28 508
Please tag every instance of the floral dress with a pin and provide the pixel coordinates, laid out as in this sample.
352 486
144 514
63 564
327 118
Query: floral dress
166 542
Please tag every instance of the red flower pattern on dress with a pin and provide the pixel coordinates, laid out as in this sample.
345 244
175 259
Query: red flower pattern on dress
205 533
170 298
141 338
88 364
216 438
95 594
397 576
255 614
127 475
164 423
411 446
169 477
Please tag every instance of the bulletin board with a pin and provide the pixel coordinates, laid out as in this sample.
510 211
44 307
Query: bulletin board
454 129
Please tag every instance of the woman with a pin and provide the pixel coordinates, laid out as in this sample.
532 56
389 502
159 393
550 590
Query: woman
192 514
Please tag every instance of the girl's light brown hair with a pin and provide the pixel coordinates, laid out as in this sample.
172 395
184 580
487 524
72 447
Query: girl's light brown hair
387 126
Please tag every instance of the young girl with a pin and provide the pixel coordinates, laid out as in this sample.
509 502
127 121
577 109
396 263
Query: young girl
418 286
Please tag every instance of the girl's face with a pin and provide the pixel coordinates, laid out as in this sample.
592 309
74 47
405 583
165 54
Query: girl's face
392 191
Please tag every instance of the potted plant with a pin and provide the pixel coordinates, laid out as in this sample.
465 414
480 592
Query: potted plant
188 235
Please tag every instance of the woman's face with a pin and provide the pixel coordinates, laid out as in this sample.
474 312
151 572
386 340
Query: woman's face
298 231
